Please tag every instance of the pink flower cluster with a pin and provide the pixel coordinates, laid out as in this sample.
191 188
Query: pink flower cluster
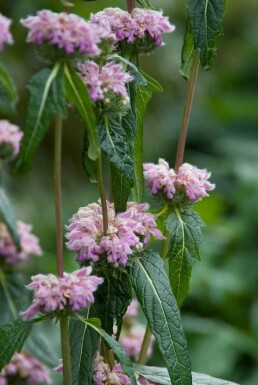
29 244
190 180
101 81
52 294
104 375
68 32
5 35
127 232
25 369
141 24
10 137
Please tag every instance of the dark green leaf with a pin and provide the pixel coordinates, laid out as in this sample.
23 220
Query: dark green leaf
206 18
8 93
118 351
47 99
89 165
84 342
184 226
161 376
12 337
76 92
143 96
114 142
7 216
153 291
187 54
121 189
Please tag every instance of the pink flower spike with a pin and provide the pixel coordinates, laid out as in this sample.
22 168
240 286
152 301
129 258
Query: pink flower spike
5 35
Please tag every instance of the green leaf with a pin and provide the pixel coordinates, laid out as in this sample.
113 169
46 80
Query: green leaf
84 342
187 54
118 351
12 337
161 376
206 18
121 189
143 96
114 142
76 92
38 346
47 99
184 226
8 93
153 291
7 216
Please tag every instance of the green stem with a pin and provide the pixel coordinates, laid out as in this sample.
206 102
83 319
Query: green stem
145 346
65 348
187 112
165 245
107 354
102 194
8 294
58 195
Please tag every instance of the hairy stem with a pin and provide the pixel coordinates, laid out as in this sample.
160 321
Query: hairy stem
145 346
58 195
187 112
131 4
102 194
65 348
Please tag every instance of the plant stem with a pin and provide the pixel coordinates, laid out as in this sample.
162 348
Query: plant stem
107 354
145 346
8 294
187 112
102 194
165 245
65 348
131 4
58 195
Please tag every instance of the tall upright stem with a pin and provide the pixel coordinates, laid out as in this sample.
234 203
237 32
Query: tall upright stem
58 195
64 331
131 4
102 194
187 112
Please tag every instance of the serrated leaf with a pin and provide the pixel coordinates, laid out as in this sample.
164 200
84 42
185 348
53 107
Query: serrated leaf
143 96
76 92
118 351
7 216
184 226
161 376
12 338
47 99
121 189
114 142
206 18
153 291
8 93
187 54
84 342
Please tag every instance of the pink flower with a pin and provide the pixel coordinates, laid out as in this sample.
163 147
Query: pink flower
132 310
190 180
127 232
143 26
132 339
29 244
68 32
22 367
72 292
104 375
10 137
5 35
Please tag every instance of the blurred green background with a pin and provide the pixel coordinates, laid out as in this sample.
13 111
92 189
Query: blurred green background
221 313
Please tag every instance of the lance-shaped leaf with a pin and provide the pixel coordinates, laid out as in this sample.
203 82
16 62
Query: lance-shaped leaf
143 96
161 376
84 342
117 349
7 216
47 99
8 93
206 18
12 337
159 305
187 54
121 189
76 92
184 226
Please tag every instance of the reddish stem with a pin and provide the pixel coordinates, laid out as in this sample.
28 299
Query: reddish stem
131 4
